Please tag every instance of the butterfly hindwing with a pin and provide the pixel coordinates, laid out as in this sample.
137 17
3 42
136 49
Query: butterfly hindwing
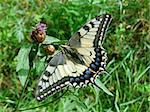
59 73
79 62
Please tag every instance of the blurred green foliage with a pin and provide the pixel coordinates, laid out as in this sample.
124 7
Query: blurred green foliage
127 43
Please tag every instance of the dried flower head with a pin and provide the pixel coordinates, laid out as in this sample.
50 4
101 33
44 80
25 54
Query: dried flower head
50 49
39 32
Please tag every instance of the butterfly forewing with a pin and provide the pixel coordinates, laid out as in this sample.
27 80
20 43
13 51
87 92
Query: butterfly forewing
91 33
79 62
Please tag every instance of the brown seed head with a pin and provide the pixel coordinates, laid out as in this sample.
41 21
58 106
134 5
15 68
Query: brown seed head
50 49
39 33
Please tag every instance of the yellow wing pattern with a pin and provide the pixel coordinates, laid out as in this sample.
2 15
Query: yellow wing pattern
79 62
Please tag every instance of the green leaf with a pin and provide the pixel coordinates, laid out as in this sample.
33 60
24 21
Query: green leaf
19 30
50 39
23 58
22 74
102 86
40 65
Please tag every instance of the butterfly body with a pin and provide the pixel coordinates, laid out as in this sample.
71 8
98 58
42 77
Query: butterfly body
79 62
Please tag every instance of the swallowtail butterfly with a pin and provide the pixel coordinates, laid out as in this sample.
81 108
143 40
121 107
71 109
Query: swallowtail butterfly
79 62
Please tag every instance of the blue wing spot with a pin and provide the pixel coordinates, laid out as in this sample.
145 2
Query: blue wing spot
98 54
97 50
72 80
97 59
82 78
94 67
77 80
97 64
87 73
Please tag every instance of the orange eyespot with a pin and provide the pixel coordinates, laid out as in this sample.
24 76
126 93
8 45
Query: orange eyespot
50 49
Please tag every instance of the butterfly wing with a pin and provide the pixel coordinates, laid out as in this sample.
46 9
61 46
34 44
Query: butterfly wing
59 73
92 33
79 62
88 42
51 77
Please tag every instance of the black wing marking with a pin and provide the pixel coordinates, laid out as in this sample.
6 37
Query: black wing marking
63 72
91 33
51 79
57 75
77 65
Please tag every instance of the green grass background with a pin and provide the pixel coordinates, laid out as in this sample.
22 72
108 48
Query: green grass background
127 43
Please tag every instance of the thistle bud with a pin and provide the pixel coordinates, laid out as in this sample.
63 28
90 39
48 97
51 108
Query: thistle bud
50 49
39 33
